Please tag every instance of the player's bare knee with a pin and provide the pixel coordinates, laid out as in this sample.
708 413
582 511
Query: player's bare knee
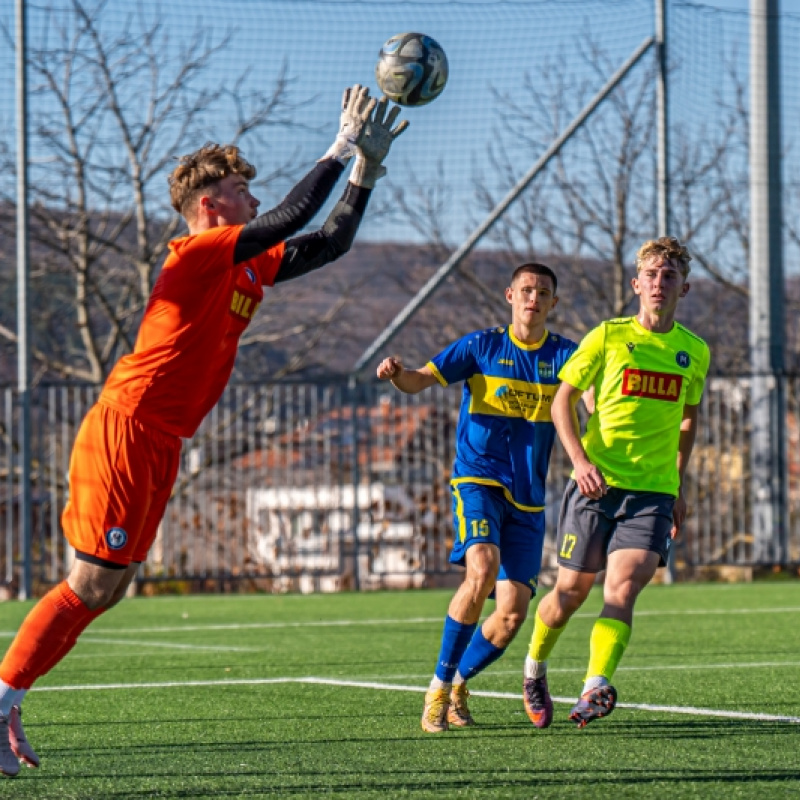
485 575
93 596
479 583
622 594
118 595
512 621
569 599
483 564
99 587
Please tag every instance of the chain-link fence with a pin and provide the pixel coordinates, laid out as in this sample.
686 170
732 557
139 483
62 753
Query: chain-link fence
289 483
327 486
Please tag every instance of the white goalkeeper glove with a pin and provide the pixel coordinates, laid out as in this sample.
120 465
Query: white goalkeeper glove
374 145
357 106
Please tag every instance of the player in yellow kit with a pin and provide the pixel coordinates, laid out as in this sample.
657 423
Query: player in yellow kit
624 503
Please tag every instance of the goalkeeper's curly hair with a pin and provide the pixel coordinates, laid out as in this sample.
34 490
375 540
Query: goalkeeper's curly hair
203 168
667 247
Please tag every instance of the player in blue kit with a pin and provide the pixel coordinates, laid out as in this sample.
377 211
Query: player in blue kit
504 438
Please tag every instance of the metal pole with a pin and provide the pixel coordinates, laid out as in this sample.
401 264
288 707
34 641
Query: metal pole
663 127
768 415
662 166
355 477
438 277
23 325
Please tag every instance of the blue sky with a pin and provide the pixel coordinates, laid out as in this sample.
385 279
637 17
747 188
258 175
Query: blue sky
492 46
785 6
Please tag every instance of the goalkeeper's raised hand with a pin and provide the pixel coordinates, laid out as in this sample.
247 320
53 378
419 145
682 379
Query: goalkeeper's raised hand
357 107
375 144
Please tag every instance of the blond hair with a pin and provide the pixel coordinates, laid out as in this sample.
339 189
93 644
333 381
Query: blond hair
202 169
667 247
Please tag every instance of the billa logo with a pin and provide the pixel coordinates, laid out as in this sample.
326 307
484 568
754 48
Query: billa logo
655 385
243 306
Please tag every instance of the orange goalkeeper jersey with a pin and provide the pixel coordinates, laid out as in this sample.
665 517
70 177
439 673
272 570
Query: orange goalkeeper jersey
184 354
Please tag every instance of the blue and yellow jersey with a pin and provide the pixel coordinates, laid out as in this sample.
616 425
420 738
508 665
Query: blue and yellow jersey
505 431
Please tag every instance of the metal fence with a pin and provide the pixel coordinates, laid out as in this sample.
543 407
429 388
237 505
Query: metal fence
321 487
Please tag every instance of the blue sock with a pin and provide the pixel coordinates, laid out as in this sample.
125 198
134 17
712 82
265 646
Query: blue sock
455 639
480 653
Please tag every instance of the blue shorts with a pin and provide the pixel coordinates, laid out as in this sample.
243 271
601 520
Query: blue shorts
483 515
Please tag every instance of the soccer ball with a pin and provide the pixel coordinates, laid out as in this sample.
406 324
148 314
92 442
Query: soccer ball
411 69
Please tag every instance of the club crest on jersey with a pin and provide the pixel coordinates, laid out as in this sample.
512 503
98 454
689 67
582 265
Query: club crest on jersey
653 385
545 369
250 274
116 538
682 359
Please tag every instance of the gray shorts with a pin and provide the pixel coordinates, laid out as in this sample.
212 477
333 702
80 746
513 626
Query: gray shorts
588 530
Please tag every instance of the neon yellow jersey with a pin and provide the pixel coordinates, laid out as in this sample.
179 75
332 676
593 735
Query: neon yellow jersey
642 381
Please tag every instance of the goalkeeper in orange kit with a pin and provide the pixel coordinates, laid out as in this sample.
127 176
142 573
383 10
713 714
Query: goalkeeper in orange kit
125 458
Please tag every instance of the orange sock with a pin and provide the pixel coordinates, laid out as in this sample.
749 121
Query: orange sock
70 641
46 635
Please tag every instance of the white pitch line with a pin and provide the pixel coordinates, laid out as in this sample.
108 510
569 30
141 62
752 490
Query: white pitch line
650 668
345 623
700 612
89 639
243 626
95 687
389 687
659 668
691 710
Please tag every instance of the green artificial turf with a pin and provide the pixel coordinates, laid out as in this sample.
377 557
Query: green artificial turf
191 711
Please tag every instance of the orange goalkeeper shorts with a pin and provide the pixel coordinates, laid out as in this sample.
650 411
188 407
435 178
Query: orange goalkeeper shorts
121 475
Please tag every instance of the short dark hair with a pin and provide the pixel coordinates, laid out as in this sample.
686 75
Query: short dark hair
535 269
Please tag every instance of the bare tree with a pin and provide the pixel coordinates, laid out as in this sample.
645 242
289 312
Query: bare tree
595 201
584 212
588 211
112 105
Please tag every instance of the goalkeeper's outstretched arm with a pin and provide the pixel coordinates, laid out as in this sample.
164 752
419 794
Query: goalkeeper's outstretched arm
312 251
367 132
294 212
301 204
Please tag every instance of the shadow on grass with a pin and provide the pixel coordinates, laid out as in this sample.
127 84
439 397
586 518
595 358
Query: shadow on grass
619 725
391 783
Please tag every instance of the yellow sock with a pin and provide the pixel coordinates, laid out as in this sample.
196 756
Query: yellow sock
609 639
543 639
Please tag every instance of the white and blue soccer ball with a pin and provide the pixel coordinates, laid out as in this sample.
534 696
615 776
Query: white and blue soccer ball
411 69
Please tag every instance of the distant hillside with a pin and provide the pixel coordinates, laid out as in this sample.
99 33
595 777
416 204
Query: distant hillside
383 278
320 324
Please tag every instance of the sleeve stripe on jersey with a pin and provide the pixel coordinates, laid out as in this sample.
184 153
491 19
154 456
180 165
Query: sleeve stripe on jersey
436 374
